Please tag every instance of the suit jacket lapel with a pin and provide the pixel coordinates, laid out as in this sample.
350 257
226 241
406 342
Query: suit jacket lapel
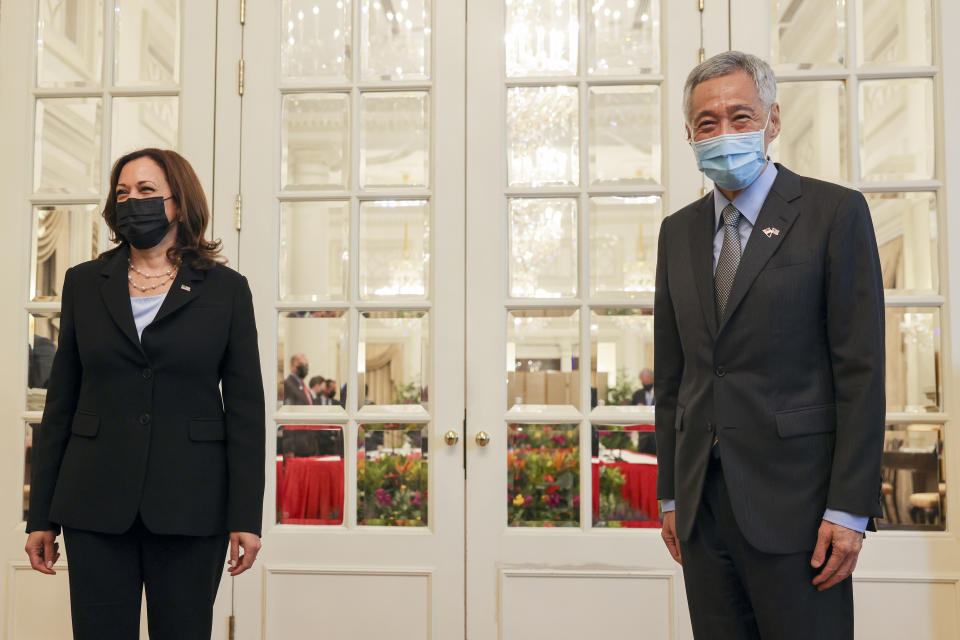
186 287
778 213
115 292
701 252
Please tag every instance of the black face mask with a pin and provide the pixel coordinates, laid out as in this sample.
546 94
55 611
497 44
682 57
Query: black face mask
142 221
302 370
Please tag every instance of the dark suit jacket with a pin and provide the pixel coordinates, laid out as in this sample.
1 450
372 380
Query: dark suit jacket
792 382
131 427
293 392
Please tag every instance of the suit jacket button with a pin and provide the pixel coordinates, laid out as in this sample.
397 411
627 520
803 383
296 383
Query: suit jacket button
720 371
710 427
147 374
145 419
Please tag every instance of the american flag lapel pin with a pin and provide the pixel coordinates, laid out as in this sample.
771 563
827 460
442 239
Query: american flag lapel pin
771 231
185 287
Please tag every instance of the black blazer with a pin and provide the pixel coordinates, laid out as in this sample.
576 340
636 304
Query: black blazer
792 382
293 392
131 427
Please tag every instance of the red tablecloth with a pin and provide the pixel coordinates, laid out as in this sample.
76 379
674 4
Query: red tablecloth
310 490
640 490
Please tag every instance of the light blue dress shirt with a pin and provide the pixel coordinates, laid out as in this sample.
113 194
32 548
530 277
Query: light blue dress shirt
145 310
749 203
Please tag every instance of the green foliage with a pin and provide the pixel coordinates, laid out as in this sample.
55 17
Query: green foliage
622 393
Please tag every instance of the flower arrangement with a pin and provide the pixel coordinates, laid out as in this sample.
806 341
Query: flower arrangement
543 484
392 487
622 393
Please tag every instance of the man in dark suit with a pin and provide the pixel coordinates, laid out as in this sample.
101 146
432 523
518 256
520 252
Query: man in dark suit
295 389
644 395
769 338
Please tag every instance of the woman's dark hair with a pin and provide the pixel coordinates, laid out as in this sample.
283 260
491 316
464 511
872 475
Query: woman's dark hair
191 245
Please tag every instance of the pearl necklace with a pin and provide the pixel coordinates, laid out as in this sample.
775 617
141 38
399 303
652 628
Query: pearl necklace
167 278
152 287
170 271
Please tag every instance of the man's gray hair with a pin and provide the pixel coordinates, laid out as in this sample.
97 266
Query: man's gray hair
724 64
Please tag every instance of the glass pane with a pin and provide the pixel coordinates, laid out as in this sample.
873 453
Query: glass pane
67 145
62 236
27 458
623 245
392 362
543 358
624 37
312 359
394 248
392 475
808 34
621 357
542 38
906 227
896 129
148 42
395 39
914 489
145 122
70 43
813 140
395 139
913 359
316 43
543 475
309 474
43 338
543 247
314 250
625 135
624 478
543 136
315 141
894 32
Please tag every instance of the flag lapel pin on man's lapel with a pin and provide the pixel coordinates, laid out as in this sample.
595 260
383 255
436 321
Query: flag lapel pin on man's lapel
771 231
185 287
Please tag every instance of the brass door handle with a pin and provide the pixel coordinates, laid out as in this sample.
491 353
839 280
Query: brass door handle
451 437
483 438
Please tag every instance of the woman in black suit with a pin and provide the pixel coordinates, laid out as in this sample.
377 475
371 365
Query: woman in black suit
144 463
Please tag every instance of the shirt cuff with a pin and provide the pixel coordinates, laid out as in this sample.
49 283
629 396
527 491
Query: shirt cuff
848 520
668 505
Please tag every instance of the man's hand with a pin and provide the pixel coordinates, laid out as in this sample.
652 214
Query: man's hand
845 547
251 547
669 535
43 551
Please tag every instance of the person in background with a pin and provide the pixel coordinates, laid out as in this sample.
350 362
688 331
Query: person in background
295 389
644 395
317 385
150 452
330 391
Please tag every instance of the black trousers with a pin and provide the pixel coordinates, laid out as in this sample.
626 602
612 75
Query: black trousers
108 574
736 592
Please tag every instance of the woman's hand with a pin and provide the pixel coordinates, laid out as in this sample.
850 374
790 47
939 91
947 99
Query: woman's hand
251 547
43 551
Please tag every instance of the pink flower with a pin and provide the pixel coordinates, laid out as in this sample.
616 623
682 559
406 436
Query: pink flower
527 501
415 500
384 499
576 501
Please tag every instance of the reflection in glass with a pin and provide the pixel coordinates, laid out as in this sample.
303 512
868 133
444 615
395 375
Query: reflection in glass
395 139
914 489
312 360
62 236
145 122
894 32
67 145
392 358
392 475
906 228
309 474
394 248
813 140
147 42
543 475
543 247
543 358
624 37
314 250
70 43
315 141
808 34
543 136
43 336
315 41
625 135
913 359
395 39
896 129
621 356
623 244
29 427
624 478
541 38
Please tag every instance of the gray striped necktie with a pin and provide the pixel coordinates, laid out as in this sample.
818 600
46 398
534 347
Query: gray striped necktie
729 259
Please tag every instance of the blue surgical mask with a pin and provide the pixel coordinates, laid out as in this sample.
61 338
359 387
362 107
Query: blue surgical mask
734 160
